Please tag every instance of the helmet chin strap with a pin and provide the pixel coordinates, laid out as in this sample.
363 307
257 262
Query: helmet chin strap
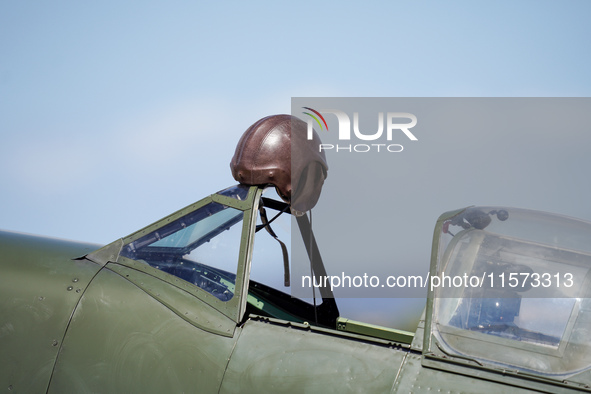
312 272
267 225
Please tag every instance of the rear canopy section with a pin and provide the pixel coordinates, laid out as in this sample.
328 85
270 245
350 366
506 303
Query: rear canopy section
510 290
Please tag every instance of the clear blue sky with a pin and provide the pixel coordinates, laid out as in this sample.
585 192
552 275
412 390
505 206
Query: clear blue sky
113 114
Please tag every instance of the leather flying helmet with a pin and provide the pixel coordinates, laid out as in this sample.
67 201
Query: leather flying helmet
275 150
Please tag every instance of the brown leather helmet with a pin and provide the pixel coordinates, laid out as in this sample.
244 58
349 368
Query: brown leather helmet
275 150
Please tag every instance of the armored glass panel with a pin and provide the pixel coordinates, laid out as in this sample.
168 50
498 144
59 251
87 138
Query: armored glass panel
201 248
239 192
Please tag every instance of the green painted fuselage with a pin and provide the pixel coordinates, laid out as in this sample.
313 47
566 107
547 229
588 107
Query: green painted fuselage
79 318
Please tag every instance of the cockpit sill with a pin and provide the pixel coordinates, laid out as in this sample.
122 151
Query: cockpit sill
405 343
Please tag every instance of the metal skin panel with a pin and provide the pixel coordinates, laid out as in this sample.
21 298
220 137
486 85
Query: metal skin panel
184 304
272 358
415 378
40 286
123 340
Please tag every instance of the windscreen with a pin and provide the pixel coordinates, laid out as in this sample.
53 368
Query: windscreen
201 247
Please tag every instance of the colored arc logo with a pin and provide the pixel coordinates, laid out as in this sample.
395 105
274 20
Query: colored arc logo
315 118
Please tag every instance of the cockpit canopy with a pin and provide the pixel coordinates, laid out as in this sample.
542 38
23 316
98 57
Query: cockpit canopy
512 288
